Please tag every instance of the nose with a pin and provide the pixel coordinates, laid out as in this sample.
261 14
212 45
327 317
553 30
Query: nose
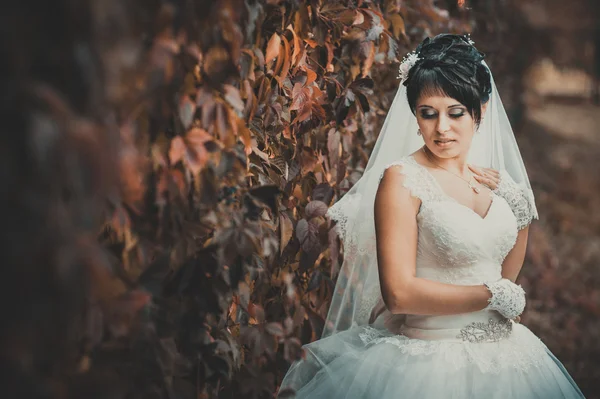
443 124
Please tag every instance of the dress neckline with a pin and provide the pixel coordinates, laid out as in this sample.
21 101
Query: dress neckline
449 197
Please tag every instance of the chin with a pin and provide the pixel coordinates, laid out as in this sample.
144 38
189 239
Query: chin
450 151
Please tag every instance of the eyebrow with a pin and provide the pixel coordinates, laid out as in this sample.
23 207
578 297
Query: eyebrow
450 106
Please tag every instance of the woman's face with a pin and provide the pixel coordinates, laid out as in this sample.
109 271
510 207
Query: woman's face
446 125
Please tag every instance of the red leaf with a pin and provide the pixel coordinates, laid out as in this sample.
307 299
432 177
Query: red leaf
300 96
315 209
308 235
302 229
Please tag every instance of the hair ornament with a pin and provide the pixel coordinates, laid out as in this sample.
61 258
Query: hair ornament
407 63
469 40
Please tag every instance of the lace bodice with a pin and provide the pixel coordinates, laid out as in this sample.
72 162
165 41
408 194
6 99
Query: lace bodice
455 244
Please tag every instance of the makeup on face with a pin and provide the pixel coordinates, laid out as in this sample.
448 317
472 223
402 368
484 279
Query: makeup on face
446 125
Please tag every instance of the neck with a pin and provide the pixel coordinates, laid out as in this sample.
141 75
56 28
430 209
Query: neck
456 164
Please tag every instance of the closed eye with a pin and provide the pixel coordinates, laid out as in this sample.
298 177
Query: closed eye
429 115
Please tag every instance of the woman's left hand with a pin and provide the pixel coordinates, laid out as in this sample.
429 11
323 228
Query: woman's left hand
487 176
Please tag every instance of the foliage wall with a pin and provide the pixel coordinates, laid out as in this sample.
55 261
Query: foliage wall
175 163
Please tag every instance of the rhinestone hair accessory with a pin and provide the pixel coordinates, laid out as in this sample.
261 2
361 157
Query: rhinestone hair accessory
407 63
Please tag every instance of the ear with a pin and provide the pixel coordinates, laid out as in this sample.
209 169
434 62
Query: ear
483 109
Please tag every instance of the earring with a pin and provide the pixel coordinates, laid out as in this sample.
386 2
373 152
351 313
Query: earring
418 132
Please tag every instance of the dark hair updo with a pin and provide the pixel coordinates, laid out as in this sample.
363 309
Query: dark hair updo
450 66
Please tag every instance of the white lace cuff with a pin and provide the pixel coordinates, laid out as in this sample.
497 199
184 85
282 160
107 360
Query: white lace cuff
519 199
507 298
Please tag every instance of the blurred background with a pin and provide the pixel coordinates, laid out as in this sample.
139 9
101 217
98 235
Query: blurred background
166 166
556 110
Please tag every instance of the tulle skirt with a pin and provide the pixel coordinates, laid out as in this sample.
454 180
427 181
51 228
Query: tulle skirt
372 362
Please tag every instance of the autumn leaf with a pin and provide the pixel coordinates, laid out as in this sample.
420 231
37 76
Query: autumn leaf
315 209
197 155
242 129
286 230
369 52
177 150
186 111
398 27
297 45
307 234
273 48
300 97
232 95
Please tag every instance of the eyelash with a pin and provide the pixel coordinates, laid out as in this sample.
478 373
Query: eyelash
453 116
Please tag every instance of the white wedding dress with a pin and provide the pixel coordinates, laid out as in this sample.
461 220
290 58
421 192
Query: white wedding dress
473 355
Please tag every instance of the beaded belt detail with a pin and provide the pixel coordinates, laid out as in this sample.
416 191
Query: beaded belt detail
492 331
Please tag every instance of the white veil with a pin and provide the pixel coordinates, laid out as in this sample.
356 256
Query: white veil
357 290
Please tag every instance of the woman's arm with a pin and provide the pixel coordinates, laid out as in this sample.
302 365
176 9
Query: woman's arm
511 267
396 232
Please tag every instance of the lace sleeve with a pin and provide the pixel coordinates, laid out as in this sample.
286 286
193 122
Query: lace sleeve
416 180
519 199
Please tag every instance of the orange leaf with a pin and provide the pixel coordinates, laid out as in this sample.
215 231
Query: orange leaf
246 135
279 63
359 18
398 26
198 155
311 76
286 60
312 43
286 230
296 51
369 49
177 150
273 48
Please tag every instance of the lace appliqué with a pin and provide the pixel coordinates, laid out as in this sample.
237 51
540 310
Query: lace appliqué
519 199
507 298
520 351
492 331
416 180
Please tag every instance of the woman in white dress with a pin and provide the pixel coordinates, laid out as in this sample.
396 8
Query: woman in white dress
426 305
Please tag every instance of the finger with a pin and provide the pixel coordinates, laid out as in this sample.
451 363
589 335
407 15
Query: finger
492 172
489 173
476 170
486 181
480 179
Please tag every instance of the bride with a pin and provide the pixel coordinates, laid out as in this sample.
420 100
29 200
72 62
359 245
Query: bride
426 304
